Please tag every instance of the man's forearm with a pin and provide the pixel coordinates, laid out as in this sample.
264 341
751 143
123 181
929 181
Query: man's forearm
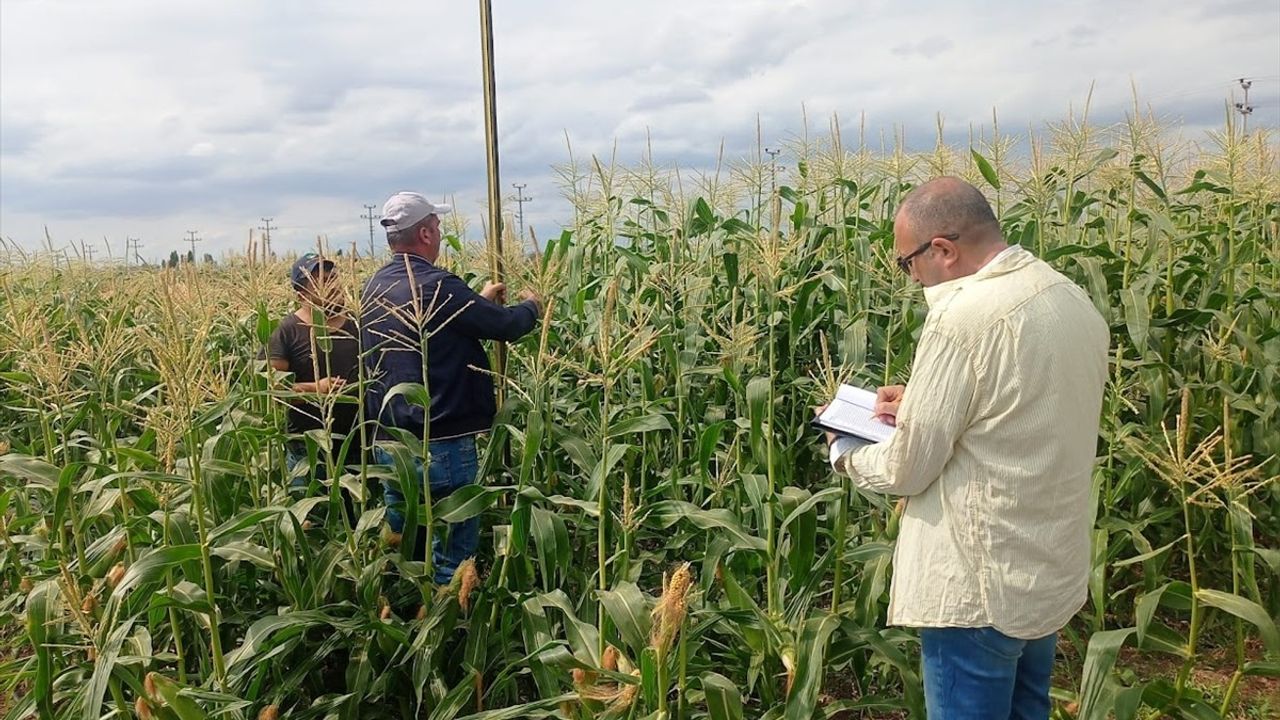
867 464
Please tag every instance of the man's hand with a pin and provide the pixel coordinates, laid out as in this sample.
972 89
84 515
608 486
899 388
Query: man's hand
831 437
531 295
887 400
495 293
324 386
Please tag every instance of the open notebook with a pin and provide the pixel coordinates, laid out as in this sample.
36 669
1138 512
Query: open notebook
852 413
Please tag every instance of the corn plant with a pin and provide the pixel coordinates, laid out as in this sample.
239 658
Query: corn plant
663 537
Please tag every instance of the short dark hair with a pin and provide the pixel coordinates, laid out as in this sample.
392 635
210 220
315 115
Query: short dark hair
946 205
401 238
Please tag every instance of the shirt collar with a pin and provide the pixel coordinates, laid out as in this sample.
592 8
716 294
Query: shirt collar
1008 260
397 259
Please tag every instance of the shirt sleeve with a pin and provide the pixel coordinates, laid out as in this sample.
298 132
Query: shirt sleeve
936 408
466 311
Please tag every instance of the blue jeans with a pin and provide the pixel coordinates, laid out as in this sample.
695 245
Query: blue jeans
453 465
295 454
982 674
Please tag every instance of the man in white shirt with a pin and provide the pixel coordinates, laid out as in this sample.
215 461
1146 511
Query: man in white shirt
994 449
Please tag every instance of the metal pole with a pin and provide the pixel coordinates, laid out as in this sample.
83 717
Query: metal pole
192 239
266 227
370 215
1244 107
491 157
773 167
521 199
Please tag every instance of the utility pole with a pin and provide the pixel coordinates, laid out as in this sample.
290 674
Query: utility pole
192 239
773 167
1245 108
370 215
496 270
131 245
266 229
87 251
520 199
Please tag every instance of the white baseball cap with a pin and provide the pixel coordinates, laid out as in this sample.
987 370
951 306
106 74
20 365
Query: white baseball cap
406 209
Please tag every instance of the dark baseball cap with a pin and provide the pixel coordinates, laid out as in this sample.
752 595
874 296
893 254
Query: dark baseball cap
306 267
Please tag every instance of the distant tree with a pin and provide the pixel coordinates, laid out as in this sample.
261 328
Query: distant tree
173 258
339 252
191 256
208 259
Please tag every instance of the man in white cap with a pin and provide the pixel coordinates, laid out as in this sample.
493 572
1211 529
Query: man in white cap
409 303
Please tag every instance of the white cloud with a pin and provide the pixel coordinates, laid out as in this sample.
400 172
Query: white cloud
151 118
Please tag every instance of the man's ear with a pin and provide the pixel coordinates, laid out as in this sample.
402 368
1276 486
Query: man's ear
950 253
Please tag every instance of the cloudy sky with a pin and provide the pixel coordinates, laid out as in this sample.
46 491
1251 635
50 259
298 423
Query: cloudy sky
149 118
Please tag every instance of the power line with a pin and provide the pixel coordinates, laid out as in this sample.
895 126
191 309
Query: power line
370 215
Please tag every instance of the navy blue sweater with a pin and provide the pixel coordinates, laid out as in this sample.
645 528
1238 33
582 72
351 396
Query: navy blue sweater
457 319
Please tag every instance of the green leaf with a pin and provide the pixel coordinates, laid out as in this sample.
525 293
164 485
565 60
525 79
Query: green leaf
644 423
551 538
629 611
707 443
1145 610
602 470
546 707
452 704
1262 668
1269 556
1150 555
265 627
827 495
242 521
533 432
649 689
31 469
811 668
413 393
184 707
1096 685
666 513
42 612
984 167
1246 610
247 552
583 637
466 502
1137 316
579 451
724 701
152 565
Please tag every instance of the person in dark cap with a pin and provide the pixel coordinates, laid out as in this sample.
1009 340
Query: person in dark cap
319 344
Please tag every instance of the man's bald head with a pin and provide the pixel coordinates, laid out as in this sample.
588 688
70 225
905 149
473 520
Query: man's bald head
945 229
948 205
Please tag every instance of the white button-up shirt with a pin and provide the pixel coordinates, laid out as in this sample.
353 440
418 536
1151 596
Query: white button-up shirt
995 444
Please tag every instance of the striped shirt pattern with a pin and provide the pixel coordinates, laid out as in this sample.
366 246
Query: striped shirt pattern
996 439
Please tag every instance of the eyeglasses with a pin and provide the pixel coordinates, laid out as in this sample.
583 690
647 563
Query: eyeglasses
904 261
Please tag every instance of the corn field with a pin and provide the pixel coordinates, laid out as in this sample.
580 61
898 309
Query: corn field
662 537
